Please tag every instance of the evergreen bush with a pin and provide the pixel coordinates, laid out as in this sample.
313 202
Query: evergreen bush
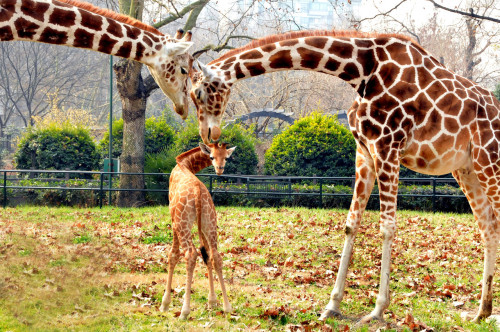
158 136
314 145
57 147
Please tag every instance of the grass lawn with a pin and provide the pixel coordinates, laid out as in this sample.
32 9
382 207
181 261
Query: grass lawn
91 269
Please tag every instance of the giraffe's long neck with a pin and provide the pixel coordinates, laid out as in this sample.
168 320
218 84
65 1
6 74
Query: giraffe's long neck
80 25
353 59
194 160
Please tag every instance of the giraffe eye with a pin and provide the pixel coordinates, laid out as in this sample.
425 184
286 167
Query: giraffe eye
183 71
211 158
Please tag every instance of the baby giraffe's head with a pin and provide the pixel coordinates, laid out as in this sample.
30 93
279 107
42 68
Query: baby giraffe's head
218 153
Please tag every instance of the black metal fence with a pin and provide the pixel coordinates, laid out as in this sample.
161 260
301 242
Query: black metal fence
265 188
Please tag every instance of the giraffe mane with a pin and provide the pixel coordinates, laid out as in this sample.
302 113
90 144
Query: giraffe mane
112 15
309 33
187 153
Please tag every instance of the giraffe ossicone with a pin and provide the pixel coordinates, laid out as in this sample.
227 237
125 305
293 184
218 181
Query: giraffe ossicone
410 110
78 24
190 202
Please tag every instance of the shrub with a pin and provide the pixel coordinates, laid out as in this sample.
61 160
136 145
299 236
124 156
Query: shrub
162 162
57 147
315 145
158 136
244 159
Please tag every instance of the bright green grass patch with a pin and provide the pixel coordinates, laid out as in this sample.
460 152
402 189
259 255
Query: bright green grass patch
158 238
82 239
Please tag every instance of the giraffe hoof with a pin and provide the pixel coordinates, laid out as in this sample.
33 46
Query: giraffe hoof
479 318
212 304
229 309
184 315
327 313
368 319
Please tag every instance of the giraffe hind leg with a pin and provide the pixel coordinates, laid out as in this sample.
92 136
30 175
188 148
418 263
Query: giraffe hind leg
487 218
212 298
190 256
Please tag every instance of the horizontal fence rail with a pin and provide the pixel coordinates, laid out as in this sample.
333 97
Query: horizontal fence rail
251 186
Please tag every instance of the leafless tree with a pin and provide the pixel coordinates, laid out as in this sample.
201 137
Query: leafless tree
30 71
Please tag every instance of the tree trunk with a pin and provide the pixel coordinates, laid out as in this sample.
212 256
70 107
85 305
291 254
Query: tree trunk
471 45
131 90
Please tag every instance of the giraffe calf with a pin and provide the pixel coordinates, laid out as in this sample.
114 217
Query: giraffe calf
190 202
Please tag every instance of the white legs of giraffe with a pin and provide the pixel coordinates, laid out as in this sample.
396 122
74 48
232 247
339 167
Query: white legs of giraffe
365 179
482 190
380 164
487 219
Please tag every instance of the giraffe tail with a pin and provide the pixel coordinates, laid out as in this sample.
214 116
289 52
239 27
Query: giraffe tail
204 255
203 250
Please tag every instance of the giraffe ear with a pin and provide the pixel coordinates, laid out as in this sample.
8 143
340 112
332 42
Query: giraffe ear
230 151
205 149
174 49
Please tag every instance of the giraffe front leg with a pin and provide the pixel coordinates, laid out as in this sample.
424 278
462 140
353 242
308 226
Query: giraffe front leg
365 179
388 177
190 256
173 259
383 298
217 261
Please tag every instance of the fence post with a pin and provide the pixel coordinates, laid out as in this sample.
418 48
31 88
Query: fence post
433 195
321 193
290 190
4 189
211 191
101 185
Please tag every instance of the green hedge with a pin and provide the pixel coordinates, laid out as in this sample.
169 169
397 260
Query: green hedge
158 136
57 148
315 145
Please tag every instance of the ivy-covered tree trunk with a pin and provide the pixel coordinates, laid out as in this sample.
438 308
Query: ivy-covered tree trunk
130 87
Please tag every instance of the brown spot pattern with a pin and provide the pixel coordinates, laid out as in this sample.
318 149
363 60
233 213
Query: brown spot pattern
281 59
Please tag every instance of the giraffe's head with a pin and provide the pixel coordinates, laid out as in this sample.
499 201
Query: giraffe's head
210 94
171 68
218 153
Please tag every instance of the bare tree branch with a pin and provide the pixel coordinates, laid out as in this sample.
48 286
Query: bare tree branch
220 47
175 16
471 13
193 17
382 14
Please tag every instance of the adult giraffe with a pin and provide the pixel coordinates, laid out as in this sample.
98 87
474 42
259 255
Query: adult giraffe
410 110
82 25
